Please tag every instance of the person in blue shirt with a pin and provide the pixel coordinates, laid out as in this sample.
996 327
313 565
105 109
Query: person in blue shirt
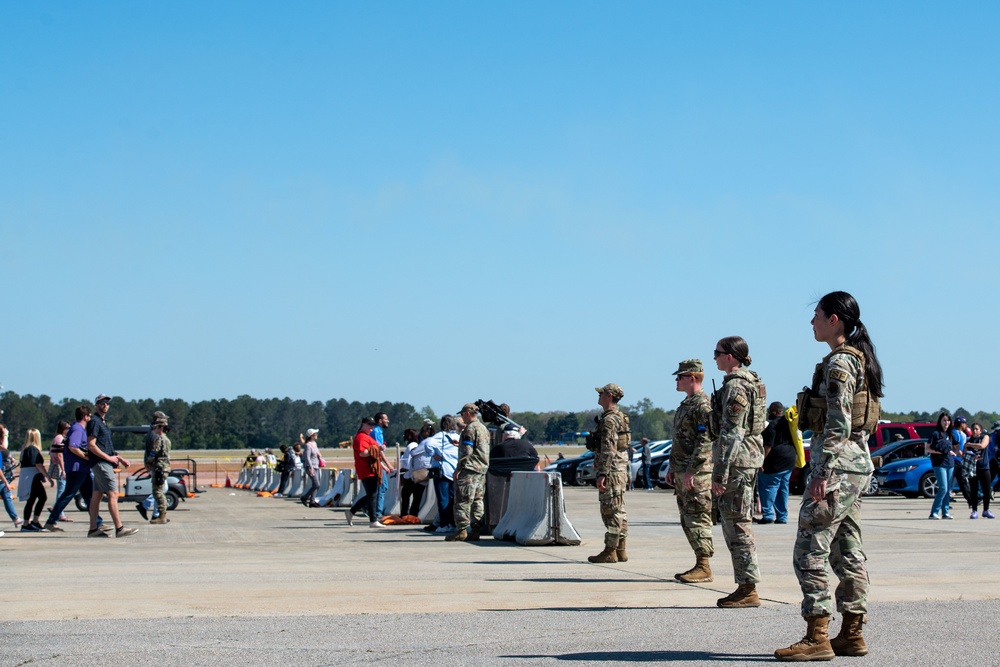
941 445
378 433
442 448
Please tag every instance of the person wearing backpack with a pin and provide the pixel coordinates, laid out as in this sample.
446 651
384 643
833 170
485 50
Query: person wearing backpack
841 408
739 415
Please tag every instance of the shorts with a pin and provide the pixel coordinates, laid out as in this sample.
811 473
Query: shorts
104 477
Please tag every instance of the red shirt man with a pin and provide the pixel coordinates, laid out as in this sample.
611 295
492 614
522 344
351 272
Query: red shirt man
362 458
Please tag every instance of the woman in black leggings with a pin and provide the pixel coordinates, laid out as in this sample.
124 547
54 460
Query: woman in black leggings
32 461
979 442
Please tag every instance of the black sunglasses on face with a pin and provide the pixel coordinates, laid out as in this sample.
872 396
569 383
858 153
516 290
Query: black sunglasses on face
718 353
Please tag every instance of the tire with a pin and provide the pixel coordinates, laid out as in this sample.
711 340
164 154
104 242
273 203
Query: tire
928 485
173 500
873 487
82 503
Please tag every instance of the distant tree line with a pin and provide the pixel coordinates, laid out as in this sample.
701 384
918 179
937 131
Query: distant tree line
252 423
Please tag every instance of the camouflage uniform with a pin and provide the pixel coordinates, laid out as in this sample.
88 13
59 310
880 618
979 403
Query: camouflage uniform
692 453
470 475
831 529
614 465
738 453
157 460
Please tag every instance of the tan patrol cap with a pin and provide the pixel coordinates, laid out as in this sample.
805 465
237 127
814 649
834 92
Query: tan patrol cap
471 407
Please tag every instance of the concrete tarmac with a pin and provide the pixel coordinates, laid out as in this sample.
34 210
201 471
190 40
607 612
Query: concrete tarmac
240 580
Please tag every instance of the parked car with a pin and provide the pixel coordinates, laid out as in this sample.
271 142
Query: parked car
661 473
659 462
911 477
567 467
587 475
889 432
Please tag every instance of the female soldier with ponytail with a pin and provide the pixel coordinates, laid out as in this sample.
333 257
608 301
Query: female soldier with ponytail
739 416
841 408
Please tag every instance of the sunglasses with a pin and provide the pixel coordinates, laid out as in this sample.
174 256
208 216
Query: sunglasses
718 353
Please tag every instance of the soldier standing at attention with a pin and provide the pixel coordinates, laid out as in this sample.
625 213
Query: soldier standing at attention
841 408
612 466
739 416
691 469
157 460
470 476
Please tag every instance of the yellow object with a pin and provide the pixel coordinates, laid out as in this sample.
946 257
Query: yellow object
792 415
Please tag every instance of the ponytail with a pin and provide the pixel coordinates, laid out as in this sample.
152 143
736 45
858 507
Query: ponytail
737 347
846 308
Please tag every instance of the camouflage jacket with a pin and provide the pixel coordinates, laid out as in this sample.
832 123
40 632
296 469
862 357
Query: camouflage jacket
157 450
838 448
692 447
474 449
609 458
736 446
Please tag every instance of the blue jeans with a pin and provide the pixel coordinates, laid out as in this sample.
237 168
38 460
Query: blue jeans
75 482
380 501
8 503
942 499
645 476
773 491
445 491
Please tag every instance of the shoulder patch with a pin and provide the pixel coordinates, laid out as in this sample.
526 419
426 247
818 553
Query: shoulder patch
741 399
838 375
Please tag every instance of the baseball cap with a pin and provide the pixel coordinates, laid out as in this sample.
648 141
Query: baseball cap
689 366
613 389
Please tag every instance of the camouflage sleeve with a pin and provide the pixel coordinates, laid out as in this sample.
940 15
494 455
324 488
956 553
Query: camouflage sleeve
609 444
701 453
735 406
466 445
841 384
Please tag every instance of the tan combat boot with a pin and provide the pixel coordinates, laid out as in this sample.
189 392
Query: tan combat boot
850 641
160 519
701 573
745 595
609 555
814 646
620 551
460 536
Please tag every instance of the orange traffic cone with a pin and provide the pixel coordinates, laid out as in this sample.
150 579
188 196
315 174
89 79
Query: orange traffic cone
229 482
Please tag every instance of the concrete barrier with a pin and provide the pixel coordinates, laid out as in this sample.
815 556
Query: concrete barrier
243 479
428 512
272 486
344 489
296 487
536 513
332 494
392 505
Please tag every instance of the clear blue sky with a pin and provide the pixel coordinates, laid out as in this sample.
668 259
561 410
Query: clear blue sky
439 202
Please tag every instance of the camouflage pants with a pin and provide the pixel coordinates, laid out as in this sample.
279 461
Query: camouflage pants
613 508
159 477
469 490
695 508
736 512
830 530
